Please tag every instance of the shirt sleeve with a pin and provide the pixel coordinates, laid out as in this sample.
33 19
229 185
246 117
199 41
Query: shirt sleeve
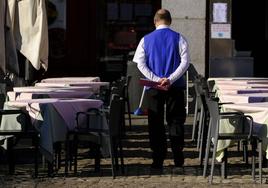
185 60
140 59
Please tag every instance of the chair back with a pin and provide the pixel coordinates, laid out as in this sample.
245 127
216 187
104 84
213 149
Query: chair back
121 86
214 114
241 124
116 116
94 119
104 95
211 84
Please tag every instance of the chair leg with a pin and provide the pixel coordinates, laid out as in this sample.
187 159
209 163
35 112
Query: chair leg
224 164
213 160
10 155
58 155
260 160
245 151
207 151
111 149
116 154
121 157
253 159
201 120
97 157
203 139
36 153
196 111
50 166
75 144
128 111
71 154
238 145
67 153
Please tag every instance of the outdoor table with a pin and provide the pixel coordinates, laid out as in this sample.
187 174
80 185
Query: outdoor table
243 98
48 89
94 85
259 113
71 79
219 86
12 95
241 91
236 78
241 82
53 118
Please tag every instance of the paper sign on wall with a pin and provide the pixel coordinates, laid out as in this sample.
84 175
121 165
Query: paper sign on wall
220 12
221 31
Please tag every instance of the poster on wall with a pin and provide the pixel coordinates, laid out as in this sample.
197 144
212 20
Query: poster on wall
221 31
220 12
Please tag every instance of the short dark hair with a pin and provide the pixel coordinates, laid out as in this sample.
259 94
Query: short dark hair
163 14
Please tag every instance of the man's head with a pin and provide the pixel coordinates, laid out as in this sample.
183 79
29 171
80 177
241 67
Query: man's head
162 16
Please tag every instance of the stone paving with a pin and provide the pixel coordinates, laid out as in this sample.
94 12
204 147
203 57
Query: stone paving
137 168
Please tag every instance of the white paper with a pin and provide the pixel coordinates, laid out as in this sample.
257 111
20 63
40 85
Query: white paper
222 31
220 12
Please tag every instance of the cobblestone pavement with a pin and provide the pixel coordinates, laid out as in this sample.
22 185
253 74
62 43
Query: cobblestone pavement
137 168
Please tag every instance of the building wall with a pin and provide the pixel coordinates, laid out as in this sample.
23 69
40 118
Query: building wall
189 18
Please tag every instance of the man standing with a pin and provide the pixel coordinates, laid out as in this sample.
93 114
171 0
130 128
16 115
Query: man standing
163 56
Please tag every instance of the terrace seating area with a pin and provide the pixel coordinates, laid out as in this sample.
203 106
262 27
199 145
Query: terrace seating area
245 161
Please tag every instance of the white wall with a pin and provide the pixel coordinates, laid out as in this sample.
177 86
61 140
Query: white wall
188 18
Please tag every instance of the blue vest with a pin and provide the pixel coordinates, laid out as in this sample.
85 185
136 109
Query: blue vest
162 53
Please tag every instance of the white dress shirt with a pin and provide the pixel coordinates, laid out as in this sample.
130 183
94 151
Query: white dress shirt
140 59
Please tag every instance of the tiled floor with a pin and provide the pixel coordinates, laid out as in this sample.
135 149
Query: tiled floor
137 168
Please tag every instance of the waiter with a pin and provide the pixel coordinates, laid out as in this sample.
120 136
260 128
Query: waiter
163 56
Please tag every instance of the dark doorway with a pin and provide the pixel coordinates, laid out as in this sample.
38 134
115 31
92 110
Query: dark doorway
249 30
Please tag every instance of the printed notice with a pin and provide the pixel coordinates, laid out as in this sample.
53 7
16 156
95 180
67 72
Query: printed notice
219 12
222 31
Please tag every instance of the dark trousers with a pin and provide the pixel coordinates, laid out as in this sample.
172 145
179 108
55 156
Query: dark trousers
175 117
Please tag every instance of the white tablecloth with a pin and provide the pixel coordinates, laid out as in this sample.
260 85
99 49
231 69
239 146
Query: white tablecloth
244 98
71 79
53 118
49 89
12 95
259 113
94 85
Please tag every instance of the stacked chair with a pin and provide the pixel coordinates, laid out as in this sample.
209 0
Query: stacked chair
203 117
120 87
198 112
209 130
